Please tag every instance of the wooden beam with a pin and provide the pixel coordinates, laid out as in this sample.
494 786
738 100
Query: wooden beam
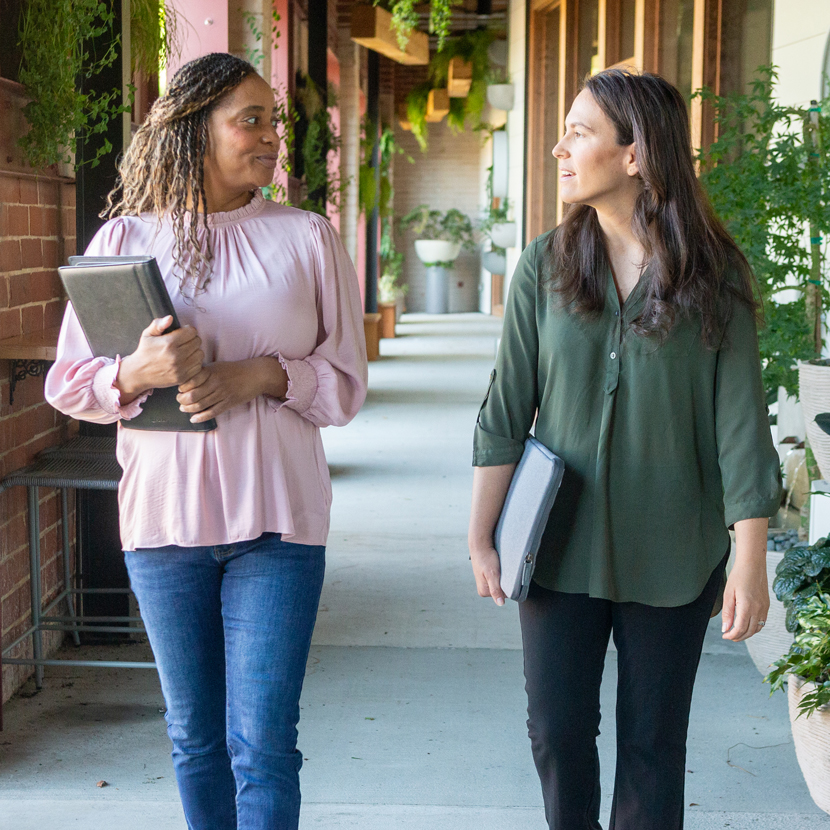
372 28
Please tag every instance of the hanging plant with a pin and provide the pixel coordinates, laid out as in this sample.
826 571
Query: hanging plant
405 18
55 41
465 113
154 35
318 142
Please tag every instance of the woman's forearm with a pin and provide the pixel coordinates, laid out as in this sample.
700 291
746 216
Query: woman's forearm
751 542
490 486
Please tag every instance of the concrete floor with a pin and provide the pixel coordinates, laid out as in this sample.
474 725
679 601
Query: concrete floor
413 708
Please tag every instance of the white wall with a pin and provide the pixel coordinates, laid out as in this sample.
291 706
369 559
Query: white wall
799 38
516 60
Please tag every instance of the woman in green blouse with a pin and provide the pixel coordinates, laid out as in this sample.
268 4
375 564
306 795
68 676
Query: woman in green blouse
630 338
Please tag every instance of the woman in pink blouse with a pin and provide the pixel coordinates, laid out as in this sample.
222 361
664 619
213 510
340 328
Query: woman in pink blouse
224 531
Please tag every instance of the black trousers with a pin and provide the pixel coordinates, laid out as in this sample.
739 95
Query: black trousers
565 639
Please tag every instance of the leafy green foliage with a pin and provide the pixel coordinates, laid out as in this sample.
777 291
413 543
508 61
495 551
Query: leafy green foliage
809 655
318 144
55 40
493 215
287 118
405 18
452 226
416 113
803 573
769 187
154 35
255 54
56 44
440 15
464 112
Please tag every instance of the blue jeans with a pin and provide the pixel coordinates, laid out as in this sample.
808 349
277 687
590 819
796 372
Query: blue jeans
230 627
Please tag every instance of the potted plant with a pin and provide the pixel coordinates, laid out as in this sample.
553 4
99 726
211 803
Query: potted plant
440 237
496 227
390 297
803 584
471 51
501 94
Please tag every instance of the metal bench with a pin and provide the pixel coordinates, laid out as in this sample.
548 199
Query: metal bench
84 463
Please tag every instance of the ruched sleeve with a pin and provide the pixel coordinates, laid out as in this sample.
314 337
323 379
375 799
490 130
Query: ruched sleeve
79 384
329 386
509 408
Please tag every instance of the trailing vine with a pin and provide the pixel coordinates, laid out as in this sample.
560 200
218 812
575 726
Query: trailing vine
57 39
464 112
405 18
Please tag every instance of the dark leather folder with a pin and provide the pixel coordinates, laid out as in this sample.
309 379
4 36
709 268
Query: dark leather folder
116 298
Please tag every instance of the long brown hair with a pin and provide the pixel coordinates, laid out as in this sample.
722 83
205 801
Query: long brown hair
694 265
164 165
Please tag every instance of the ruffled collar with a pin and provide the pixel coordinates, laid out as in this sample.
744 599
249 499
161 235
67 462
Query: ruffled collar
230 217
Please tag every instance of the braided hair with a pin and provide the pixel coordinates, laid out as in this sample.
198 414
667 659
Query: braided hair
164 166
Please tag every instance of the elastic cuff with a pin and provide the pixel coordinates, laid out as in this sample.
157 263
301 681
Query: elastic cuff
302 385
108 394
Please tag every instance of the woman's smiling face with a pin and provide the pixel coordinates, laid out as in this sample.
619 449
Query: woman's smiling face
243 144
593 167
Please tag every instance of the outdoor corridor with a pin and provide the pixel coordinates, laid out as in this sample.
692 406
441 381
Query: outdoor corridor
413 709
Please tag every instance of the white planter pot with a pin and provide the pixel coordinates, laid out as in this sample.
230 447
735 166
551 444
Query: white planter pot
811 736
493 262
814 394
501 96
773 640
503 234
436 250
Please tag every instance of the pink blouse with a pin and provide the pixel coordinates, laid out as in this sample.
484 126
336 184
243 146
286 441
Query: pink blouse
281 285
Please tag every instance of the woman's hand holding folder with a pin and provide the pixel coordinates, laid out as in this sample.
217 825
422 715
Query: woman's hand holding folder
161 360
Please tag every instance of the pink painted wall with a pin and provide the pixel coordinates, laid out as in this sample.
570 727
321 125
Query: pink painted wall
198 36
333 73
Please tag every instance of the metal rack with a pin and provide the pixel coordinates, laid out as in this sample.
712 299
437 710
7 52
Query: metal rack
84 463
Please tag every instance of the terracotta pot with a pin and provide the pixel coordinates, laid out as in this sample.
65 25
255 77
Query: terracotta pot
814 394
773 640
812 743
387 319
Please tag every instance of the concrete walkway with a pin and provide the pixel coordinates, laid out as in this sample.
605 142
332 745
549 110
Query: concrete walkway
413 709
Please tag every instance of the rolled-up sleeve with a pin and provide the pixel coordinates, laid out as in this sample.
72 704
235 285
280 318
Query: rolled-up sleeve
509 408
329 386
749 465
78 383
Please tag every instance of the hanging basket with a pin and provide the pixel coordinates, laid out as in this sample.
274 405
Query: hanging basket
438 105
501 96
814 394
812 743
459 77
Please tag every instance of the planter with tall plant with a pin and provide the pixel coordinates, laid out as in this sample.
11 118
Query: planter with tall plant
802 583
440 238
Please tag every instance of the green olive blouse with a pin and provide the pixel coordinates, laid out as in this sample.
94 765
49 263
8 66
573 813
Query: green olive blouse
664 446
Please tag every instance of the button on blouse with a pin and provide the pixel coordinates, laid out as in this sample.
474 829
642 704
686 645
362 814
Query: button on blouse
665 446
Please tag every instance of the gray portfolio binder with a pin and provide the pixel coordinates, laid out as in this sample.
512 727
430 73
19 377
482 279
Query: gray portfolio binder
115 299
524 516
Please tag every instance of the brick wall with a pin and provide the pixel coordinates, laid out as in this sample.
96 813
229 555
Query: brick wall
37 232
